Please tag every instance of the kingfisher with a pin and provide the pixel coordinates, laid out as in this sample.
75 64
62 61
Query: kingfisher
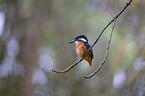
82 46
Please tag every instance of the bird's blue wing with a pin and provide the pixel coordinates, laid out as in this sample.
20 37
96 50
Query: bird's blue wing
88 46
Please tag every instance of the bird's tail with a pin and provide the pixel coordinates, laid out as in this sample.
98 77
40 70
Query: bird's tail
89 61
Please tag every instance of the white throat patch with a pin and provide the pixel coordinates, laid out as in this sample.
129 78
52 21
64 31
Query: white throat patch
76 41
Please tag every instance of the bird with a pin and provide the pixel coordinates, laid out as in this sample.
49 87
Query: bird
82 46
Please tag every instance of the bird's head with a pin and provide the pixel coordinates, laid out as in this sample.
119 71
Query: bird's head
82 38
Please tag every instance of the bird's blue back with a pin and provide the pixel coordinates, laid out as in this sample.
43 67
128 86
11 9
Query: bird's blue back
88 46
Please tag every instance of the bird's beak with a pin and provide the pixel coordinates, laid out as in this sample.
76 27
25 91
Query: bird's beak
71 41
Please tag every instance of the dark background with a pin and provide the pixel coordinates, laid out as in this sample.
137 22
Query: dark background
33 41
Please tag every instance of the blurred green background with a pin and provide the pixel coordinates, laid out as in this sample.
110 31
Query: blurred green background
33 41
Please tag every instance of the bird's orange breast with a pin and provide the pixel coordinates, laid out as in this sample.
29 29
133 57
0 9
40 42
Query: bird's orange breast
81 49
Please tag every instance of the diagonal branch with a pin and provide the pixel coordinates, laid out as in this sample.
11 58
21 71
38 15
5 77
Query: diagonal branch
115 18
71 66
100 34
106 55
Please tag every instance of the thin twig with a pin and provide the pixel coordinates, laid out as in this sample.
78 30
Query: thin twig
76 63
70 67
116 17
106 55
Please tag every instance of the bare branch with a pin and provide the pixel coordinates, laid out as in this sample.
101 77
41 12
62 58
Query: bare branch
70 67
106 55
100 34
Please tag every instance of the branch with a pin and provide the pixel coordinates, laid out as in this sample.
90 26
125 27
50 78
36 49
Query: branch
114 19
70 67
106 55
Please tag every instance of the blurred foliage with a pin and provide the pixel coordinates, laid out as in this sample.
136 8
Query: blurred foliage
33 41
